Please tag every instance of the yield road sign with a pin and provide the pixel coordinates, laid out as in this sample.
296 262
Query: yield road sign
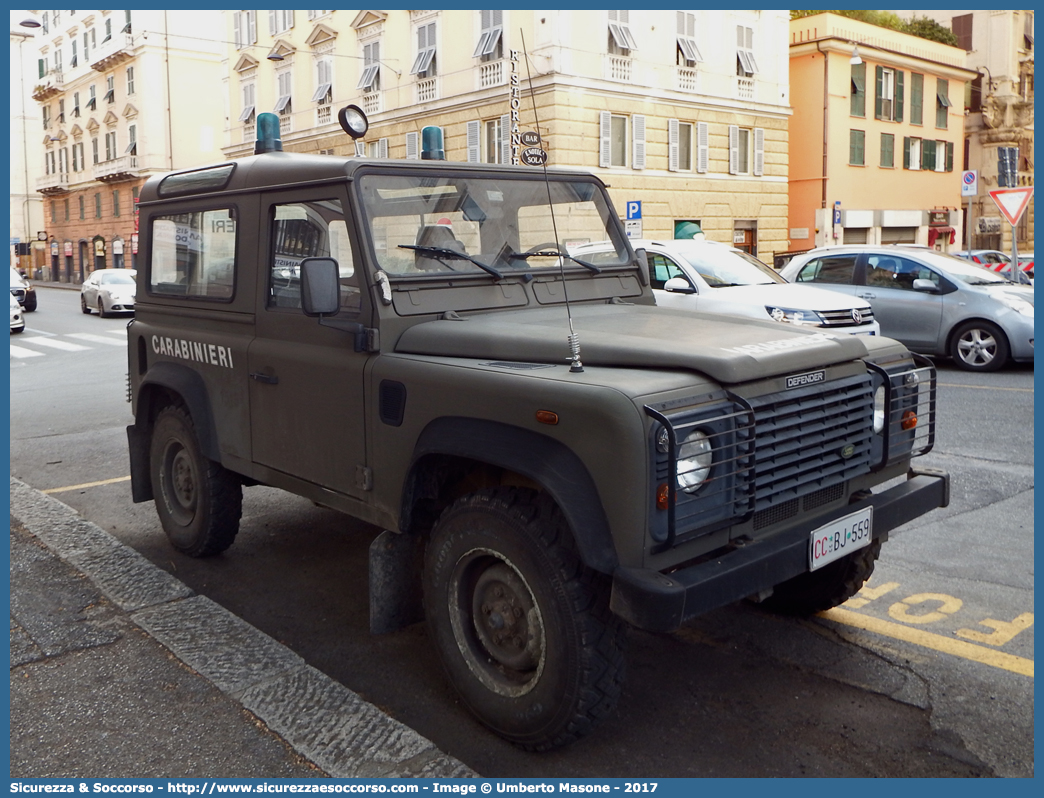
1012 202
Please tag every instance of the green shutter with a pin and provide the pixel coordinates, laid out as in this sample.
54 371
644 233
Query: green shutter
916 98
906 152
42 65
858 90
898 96
949 156
928 155
878 101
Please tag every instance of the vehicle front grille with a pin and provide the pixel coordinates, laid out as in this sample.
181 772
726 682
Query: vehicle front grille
845 318
19 294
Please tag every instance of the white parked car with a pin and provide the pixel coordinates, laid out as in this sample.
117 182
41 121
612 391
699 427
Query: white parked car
17 319
108 291
717 278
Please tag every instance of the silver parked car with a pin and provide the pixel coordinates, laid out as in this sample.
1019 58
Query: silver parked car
108 291
712 277
935 304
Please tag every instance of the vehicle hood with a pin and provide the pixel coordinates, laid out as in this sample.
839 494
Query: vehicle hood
1023 292
729 349
797 297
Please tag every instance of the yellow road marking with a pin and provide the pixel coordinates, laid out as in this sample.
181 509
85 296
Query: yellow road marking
957 648
87 485
983 387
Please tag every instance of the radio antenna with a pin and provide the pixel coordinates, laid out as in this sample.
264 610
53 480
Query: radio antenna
576 365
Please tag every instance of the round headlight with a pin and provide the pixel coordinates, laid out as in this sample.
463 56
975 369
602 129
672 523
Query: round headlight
694 461
879 409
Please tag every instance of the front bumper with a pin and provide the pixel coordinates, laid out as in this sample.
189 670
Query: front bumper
662 602
1020 337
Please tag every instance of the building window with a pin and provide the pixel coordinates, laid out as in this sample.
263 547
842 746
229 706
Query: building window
110 145
54 211
92 101
77 157
687 53
280 21
746 66
116 203
746 149
132 140
858 102
126 22
94 149
65 203
887 150
377 149
490 45
962 29
46 117
73 60
61 112
888 99
911 153
244 28
76 104
679 146
83 207
130 80
49 165
246 116
612 140
424 64
58 62
916 98
110 89
284 86
371 73
323 93
621 40
97 206
108 30
942 103
496 142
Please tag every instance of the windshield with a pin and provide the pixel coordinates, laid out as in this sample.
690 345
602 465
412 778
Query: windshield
722 267
117 278
423 224
963 270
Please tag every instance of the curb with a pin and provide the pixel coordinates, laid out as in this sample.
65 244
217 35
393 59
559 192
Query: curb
323 721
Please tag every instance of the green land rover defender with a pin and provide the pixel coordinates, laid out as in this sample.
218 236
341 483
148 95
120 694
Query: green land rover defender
551 455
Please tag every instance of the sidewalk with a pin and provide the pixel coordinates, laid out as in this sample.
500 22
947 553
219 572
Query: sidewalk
118 670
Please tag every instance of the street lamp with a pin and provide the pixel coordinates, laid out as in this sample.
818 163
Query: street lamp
29 23
855 60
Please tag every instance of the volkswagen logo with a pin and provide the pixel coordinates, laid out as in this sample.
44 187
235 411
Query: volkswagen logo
857 315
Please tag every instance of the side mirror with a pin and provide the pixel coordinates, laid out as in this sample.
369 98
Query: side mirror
643 266
320 287
927 286
679 285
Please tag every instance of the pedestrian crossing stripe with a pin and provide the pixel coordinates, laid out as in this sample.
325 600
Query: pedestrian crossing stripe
54 343
98 339
18 351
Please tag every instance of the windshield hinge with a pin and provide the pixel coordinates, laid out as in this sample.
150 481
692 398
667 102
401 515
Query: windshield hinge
363 478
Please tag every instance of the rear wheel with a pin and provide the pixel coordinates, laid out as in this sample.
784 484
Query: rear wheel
979 346
30 302
199 502
522 627
827 587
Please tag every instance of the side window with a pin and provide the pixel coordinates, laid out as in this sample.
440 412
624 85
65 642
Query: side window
662 269
888 272
302 230
194 254
835 269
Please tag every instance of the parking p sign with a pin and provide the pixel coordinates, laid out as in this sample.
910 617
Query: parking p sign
634 209
970 183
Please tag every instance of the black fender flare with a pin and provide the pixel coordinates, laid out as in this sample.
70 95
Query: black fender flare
546 461
189 385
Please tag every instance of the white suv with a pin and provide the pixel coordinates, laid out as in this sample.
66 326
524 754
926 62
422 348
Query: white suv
715 278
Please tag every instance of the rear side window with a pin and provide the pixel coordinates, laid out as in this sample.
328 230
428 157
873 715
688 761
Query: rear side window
834 269
194 254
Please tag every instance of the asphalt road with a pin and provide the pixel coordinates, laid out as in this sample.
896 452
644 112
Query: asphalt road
930 675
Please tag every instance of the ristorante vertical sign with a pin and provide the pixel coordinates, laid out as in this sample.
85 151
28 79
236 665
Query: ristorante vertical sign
516 104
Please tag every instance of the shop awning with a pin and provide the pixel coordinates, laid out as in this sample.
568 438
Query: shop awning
935 232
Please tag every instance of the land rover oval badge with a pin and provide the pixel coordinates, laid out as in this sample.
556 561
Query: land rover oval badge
847 451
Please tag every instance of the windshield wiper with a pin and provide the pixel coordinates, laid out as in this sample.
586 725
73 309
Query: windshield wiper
452 253
553 253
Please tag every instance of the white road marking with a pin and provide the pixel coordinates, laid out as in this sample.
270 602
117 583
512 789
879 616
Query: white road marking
17 351
56 344
97 339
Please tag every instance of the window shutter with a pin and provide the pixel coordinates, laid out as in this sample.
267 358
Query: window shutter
702 147
733 149
906 152
473 141
638 134
759 151
272 29
412 150
505 139
42 64
672 143
949 156
898 96
382 148
879 93
237 35
605 138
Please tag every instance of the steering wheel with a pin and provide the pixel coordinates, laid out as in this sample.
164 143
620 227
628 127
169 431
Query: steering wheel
546 245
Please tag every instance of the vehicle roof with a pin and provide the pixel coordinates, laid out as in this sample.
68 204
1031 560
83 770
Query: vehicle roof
281 169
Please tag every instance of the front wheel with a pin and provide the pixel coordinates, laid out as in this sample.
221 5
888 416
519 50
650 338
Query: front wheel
979 346
199 502
83 305
827 587
101 308
522 627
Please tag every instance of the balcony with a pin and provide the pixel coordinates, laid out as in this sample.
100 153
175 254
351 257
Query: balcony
53 85
371 103
686 77
117 169
491 74
427 90
57 183
323 115
619 68
745 88
112 53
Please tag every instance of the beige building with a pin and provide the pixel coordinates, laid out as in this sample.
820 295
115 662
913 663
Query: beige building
26 207
683 114
120 95
877 136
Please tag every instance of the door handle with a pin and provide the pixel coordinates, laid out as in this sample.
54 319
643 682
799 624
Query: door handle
269 379
867 295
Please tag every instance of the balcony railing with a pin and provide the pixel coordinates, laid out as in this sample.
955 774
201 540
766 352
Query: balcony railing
371 103
113 52
323 114
744 88
619 68
285 124
687 79
115 169
249 131
53 84
427 90
56 183
491 74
